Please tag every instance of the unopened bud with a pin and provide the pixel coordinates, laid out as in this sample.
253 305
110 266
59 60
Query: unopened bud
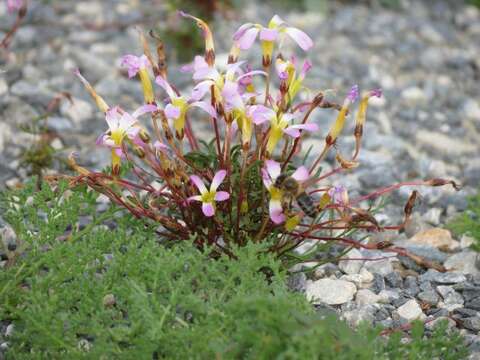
144 136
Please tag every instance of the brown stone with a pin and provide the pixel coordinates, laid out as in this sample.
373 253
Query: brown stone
436 237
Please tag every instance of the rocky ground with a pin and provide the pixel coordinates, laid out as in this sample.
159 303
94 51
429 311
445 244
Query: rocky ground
424 55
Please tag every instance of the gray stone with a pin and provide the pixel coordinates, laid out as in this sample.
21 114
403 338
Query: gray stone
367 297
473 304
463 262
429 297
362 314
472 323
411 286
442 278
351 266
331 292
378 283
382 267
297 282
394 280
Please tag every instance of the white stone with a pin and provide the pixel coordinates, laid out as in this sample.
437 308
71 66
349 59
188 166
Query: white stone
351 266
362 280
466 241
414 95
411 311
330 291
432 216
366 297
79 111
463 262
382 267
3 87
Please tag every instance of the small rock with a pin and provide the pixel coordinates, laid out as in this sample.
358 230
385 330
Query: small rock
326 270
363 314
351 266
3 87
9 330
429 297
466 241
331 292
366 297
443 144
390 295
79 111
433 324
109 300
472 323
410 311
443 278
297 282
411 286
362 280
378 283
432 216
436 237
382 267
394 280
463 262
414 95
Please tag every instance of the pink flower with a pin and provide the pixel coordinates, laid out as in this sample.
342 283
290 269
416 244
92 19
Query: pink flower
13 5
245 36
134 64
177 109
270 173
338 195
208 197
120 125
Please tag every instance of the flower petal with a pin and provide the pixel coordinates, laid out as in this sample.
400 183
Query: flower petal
291 131
301 174
273 169
260 113
195 198
222 196
166 86
208 209
302 39
172 112
198 183
147 108
276 212
266 178
268 34
205 107
307 127
217 179
247 39
201 89
241 30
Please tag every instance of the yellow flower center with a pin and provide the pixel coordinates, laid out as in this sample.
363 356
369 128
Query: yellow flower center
208 197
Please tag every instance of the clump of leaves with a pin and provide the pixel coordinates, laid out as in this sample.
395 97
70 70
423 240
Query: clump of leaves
106 288
469 221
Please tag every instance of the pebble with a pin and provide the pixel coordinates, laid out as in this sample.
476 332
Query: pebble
442 278
472 323
394 280
367 297
464 262
411 286
329 291
429 297
78 112
411 311
109 300
297 282
436 237
351 266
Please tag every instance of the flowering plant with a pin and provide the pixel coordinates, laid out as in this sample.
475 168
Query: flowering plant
248 183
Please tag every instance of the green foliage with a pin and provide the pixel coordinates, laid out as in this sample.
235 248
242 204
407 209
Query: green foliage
469 221
172 303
